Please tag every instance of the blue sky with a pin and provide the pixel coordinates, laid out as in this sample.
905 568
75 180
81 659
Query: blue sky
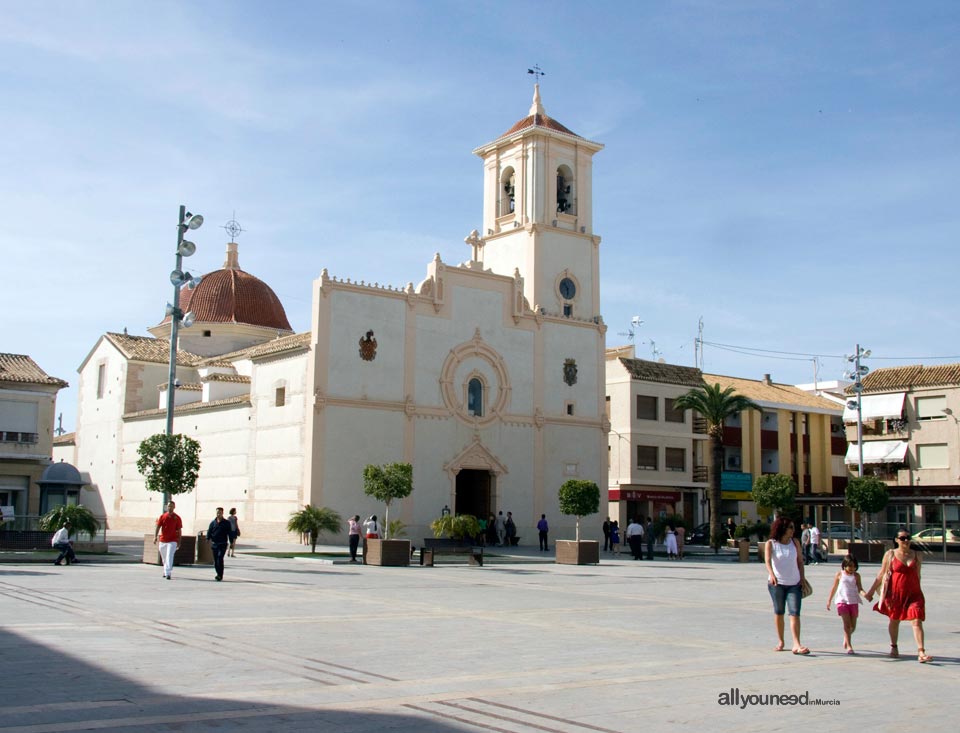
787 171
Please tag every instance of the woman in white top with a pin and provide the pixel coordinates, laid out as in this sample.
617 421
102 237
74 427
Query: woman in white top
784 561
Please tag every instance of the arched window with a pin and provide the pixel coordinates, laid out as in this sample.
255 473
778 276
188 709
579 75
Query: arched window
508 191
475 397
566 193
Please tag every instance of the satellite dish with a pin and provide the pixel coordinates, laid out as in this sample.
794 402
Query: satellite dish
186 249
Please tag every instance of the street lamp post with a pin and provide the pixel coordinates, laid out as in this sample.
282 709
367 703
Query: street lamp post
178 279
858 371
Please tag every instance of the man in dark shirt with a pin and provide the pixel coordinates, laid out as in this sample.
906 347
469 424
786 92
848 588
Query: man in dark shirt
220 532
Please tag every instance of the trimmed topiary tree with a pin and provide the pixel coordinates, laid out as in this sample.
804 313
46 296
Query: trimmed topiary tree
775 491
579 498
386 483
867 495
170 464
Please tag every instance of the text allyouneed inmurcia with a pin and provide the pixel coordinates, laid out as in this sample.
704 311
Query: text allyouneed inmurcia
735 698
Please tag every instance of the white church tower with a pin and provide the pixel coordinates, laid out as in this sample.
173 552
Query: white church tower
538 213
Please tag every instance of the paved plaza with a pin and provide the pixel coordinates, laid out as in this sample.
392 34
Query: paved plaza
520 645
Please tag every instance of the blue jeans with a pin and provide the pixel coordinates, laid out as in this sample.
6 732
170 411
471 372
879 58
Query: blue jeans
218 552
785 598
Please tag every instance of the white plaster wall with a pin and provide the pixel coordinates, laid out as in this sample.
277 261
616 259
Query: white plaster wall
562 342
352 315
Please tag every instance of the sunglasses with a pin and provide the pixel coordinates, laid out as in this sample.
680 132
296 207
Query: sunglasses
904 538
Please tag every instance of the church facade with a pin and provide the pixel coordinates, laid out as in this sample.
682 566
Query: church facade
487 376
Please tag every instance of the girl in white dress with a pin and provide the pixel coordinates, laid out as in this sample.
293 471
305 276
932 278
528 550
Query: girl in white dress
845 592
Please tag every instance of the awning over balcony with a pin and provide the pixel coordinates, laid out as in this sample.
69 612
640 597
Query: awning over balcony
877 407
877 451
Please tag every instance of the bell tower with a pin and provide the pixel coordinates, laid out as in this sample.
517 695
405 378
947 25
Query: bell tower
538 213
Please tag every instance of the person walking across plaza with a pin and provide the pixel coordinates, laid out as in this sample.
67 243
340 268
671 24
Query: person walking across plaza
606 534
615 537
235 528
543 528
510 530
681 537
221 536
785 571
805 542
501 528
353 536
166 537
61 541
635 539
648 532
901 598
845 592
371 531
815 556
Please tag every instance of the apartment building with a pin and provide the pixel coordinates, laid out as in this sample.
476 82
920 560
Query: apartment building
911 440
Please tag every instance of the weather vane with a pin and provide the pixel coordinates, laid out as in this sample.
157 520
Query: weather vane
233 227
537 72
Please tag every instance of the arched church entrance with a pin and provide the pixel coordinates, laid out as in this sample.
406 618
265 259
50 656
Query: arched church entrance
474 490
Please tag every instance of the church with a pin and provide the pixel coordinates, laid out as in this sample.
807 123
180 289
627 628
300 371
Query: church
487 376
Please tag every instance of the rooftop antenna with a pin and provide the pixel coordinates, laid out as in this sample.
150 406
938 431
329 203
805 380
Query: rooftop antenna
654 351
631 333
698 346
537 72
60 430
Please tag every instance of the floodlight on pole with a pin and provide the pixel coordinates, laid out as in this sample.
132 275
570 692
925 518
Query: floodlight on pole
179 278
858 371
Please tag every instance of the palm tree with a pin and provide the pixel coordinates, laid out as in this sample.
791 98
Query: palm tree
715 405
82 520
312 521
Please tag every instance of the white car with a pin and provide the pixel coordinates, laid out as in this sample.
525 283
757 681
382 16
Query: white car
935 536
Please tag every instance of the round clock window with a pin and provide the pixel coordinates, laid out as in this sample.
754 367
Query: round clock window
567 288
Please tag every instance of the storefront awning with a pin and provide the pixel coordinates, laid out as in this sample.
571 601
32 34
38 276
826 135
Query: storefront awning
877 451
877 407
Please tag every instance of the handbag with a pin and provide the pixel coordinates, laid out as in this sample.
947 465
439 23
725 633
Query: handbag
805 588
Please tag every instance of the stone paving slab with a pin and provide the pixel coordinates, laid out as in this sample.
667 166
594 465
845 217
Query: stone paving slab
514 647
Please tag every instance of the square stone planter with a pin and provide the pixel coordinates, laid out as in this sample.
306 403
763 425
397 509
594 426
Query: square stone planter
393 553
186 554
571 552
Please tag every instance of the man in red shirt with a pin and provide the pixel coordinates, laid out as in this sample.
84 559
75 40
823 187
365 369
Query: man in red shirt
169 529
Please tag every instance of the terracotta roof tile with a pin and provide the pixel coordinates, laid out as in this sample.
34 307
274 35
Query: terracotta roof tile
65 439
655 371
233 378
21 368
231 295
774 393
147 348
241 400
910 377
293 342
539 120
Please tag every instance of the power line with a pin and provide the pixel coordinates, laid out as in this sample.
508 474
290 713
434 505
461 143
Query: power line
745 350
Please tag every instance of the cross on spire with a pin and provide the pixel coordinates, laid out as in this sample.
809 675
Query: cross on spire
537 72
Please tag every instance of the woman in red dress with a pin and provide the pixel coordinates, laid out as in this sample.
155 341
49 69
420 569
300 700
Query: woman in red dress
901 598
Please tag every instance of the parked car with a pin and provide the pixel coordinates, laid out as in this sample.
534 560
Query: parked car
699 535
934 536
842 532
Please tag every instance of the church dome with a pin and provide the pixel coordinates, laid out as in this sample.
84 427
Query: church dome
230 295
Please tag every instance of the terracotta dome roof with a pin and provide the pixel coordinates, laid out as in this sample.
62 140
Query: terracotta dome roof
231 295
538 118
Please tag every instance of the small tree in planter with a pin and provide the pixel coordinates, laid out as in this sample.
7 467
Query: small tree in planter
775 491
312 520
386 483
867 495
170 464
578 498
